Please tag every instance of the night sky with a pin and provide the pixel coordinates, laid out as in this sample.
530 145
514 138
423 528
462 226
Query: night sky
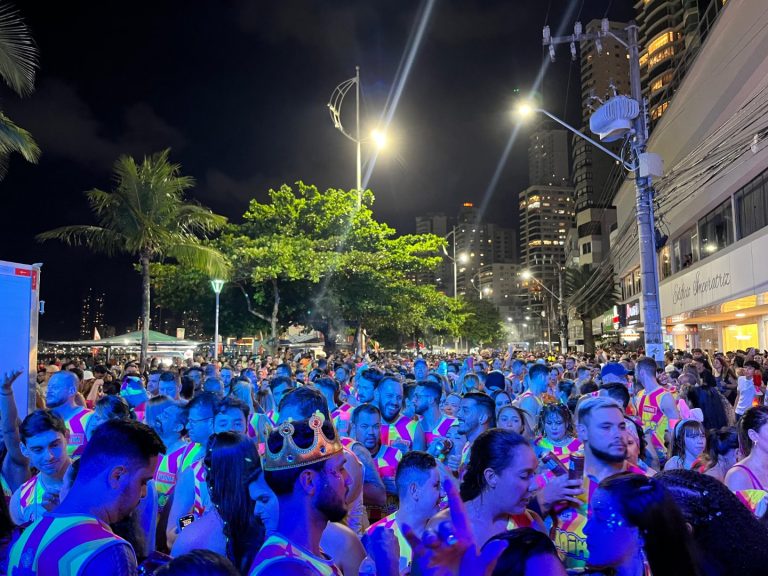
238 91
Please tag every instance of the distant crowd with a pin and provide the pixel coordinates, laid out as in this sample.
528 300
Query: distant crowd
499 463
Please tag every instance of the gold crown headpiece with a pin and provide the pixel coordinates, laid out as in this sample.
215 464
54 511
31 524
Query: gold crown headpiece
291 456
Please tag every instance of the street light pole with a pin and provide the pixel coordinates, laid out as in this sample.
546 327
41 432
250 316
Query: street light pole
334 107
217 285
644 164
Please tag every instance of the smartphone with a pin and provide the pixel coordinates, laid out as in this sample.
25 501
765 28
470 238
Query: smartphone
185 521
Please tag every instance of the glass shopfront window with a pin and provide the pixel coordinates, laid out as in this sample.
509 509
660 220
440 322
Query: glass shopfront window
752 206
716 229
686 249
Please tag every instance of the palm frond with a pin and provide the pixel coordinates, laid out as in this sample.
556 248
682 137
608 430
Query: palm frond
201 257
96 238
194 218
18 53
15 139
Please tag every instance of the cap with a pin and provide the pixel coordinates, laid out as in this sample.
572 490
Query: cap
613 369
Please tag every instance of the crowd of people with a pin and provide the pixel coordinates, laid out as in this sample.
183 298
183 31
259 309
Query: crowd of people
500 463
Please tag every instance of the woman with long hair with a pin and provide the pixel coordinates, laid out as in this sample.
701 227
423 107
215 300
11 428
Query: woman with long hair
637 529
725 377
730 540
516 419
498 484
688 443
229 526
748 479
720 454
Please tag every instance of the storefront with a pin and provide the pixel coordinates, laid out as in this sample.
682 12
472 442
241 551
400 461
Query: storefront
720 303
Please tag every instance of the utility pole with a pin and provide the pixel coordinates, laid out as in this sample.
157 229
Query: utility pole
562 312
644 165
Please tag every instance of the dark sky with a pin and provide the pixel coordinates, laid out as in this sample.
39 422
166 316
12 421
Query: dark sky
238 91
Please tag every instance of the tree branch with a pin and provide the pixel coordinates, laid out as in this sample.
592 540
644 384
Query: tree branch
248 303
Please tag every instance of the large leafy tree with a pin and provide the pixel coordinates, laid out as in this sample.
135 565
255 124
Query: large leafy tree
482 323
18 64
589 293
317 258
147 216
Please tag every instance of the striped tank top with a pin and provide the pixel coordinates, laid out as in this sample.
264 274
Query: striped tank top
166 474
30 500
202 496
406 552
278 549
403 428
60 544
76 425
563 453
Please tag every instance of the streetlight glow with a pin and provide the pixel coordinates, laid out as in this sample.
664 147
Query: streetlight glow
463 258
524 109
526 275
379 138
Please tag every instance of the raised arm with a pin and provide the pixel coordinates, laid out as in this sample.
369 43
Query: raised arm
15 465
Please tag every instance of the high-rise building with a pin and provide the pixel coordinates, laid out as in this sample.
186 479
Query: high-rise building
437 224
548 162
671 34
91 313
546 214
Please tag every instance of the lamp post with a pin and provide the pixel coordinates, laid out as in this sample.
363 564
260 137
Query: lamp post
334 107
527 275
454 260
625 117
217 285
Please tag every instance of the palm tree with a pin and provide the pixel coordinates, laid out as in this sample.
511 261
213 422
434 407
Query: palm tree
147 217
18 63
589 294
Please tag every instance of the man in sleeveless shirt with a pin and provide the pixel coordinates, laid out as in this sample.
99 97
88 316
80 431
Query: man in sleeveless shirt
397 429
60 398
44 443
304 467
76 539
419 490
655 406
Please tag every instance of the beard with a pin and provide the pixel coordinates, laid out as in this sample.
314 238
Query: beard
607 456
330 504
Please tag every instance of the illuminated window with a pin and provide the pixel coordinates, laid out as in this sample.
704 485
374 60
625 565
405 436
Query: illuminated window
660 41
643 59
661 55
659 110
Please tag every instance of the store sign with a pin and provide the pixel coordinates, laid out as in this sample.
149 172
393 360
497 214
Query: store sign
732 275
632 312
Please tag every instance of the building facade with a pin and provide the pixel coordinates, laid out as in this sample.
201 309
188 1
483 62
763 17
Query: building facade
712 202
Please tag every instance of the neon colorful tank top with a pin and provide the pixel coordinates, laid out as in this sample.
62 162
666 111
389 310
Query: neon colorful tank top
563 453
756 498
166 474
278 549
569 537
31 499
653 418
403 428
76 425
441 430
341 418
7 492
386 460
202 496
192 453
406 552
60 544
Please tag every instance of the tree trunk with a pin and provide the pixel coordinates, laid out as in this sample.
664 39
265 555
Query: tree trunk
145 310
589 337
